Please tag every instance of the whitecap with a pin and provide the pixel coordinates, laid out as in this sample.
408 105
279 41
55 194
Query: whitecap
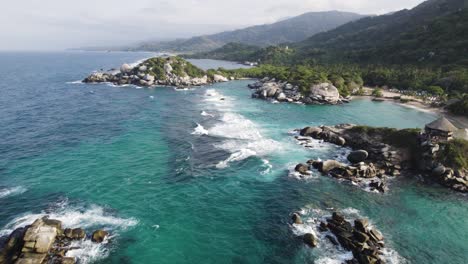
203 113
87 251
268 167
76 82
5 192
200 130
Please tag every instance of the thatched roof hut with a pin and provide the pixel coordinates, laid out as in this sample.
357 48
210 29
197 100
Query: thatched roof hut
441 129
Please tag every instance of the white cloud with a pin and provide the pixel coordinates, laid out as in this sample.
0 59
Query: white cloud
56 24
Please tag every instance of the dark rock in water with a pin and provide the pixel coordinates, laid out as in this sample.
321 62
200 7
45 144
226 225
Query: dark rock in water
68 233
323 226
361 224
78 233
310 240
338 217
357 156
296 218
12 248
99 236
332 240
302 169
310 132
361 237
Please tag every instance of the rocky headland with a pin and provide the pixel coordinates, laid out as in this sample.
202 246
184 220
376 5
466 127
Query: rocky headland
45 241
382 152
270 89
169 71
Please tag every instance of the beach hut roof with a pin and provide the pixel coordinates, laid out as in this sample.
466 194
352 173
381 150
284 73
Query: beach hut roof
442 124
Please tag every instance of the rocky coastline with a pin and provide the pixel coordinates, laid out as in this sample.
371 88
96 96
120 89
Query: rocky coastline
380 153
45 241
364 241
170 71
320 94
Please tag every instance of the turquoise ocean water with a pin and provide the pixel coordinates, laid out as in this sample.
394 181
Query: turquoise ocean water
185 177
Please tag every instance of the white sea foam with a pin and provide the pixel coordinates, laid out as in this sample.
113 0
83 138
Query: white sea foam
5 192
76 82
203 113
326 251
242 138
200 130
87 251
267 166
89 218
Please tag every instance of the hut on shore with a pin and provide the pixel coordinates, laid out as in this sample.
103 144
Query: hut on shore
440 130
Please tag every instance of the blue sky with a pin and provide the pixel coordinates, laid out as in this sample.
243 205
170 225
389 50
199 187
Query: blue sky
59 24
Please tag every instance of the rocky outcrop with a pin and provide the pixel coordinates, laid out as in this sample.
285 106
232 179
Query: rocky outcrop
456 179
44 241
359 174
382 152
270 89
367 148
364 242
171 71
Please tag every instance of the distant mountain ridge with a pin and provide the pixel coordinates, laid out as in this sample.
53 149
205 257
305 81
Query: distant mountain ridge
433 33
285 31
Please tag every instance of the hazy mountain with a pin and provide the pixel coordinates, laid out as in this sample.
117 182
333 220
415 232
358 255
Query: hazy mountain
289 30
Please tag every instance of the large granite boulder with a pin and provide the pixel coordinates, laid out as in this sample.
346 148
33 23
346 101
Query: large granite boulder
219 78
125 68
324 92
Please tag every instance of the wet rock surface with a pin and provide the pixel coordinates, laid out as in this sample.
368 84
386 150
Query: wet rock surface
44 241
364 241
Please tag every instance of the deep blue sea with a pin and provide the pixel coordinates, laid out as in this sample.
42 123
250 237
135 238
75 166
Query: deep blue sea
185 177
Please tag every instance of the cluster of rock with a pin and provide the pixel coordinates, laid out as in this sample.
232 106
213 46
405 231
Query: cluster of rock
454 179
370 163
389 160
45 241
364 242
270 89
143 75
357 173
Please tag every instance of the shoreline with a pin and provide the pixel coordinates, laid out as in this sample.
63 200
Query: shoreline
458 121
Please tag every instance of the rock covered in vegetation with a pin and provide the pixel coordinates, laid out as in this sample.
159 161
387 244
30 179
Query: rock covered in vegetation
44 241
323 93
170 71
